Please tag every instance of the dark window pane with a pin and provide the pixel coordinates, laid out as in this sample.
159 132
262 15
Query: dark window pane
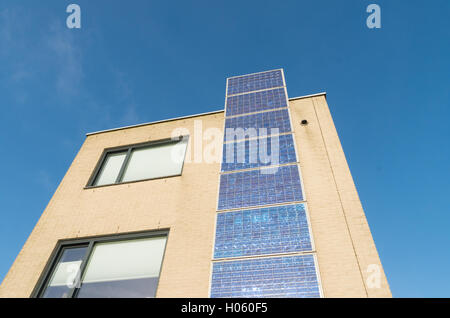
131 288
65 272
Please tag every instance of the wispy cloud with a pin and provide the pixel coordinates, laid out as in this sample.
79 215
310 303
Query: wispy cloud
68 59
126 99
131 115
20 74
29 54
14 71
45 180
6 22
57 54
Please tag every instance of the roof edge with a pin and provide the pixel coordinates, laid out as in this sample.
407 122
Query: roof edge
155 122
308 96
185 117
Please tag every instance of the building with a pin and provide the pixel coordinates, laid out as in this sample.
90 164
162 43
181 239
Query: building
150 210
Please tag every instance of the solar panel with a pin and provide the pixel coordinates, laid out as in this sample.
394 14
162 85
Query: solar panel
250 152
279 229
255 102
289 276
253 188
269 120
253 82
257 211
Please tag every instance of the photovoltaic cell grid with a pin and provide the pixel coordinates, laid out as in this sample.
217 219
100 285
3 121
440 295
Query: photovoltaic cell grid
253 82
255 102
257 153
280 229
264 230
269 120
289 276
254 188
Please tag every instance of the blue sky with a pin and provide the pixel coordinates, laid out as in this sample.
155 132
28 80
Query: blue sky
139 61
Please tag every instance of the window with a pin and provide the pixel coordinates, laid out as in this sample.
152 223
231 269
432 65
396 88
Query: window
65 272
125 266
141 162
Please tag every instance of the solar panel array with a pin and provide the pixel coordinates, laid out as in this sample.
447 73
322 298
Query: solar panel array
261 213
275 121
271 230
245 154
256 188
254 82
289 276
255 102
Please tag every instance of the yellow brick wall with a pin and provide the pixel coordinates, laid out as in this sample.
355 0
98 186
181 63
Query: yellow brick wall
342 237
186 205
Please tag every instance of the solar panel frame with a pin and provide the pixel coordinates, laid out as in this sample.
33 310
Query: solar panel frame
267 120
252 188
263 231
287 153
256 102
287 276
255 81
235 87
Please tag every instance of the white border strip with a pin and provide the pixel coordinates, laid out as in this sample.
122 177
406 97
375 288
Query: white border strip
155 122
185 117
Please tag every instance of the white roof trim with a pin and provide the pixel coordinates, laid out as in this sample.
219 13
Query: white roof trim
184 117
155 122
307 96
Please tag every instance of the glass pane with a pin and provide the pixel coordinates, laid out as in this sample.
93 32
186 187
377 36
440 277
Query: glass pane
162 160
123 269
111 168
64 274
